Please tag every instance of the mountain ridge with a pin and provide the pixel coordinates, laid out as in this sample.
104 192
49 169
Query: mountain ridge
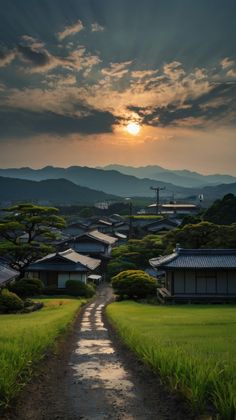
115 184
56 191
184 177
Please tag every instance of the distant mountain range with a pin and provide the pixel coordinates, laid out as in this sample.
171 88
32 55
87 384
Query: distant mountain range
87 185
183 178
111 182
52 191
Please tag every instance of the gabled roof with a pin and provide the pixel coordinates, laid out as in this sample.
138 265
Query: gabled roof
7 274
70 256
99 236
197 258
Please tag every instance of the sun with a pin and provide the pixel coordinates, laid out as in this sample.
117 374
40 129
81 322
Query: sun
133 128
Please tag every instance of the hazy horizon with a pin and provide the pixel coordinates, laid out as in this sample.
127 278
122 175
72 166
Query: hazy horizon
112 164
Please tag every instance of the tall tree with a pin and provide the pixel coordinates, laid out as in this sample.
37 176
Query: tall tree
26 232
201 235
222 211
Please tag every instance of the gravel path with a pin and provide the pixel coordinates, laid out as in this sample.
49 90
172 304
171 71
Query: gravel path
94 377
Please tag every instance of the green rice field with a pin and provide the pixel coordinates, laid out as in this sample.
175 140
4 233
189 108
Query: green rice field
192 347
24 338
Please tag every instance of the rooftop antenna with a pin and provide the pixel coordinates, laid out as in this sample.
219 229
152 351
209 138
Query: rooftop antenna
157 189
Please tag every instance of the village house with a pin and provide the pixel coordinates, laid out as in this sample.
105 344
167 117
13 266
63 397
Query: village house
93 243
197 275
55 269
143 227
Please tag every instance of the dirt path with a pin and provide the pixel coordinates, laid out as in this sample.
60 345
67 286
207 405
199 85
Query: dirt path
97 379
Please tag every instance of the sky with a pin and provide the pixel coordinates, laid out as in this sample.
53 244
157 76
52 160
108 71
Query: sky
74 74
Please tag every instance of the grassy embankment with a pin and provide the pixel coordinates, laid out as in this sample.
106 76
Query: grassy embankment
193 348
24 339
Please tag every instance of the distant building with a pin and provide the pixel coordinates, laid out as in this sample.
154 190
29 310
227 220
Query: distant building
103 205
183 208
202 275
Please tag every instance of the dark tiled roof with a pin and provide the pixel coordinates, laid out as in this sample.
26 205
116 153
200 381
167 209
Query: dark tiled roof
72 268
6 274
197 258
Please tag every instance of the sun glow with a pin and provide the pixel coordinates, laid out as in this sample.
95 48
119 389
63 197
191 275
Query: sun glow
133 128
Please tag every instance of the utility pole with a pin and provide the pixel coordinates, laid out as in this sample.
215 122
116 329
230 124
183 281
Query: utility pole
157 189
130 216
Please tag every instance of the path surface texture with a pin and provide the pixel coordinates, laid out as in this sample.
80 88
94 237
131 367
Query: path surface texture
95 377
101 385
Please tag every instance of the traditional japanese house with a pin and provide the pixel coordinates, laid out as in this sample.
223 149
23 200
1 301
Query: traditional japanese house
198 275
55 269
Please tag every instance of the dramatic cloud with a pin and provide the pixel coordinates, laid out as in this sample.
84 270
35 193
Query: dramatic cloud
6 57
116 70
227 62
34 57
174 70
33 42
95 27
73 84
40 60
71 30
231 73
141 74
16 123
169 96
213 107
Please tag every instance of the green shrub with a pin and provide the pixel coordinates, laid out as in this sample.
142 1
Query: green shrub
10 302
134 284
78 288
28 303
27 287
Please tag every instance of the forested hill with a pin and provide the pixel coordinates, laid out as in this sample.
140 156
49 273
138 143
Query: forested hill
111 182
101 185
183 178
56 191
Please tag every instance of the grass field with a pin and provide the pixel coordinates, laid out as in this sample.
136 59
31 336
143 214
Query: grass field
24 339
193 348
